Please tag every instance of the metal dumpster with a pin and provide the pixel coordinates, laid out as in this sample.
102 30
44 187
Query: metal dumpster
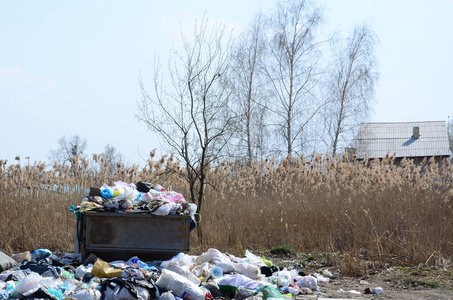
118 236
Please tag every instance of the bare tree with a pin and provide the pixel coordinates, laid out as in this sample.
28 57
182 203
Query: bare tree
292 69
250 91
193 116
350 86
112 157
68 149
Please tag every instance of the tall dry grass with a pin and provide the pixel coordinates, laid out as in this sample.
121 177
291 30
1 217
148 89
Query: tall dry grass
369 209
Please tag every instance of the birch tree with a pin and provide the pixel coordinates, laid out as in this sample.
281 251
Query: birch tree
351 81
292 69
250 91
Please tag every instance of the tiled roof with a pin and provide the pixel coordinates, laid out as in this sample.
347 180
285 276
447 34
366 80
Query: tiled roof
377 139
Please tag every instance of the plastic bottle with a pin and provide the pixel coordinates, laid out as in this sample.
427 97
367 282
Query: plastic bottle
216 272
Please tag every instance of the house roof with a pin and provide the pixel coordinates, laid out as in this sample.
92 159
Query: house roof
377 139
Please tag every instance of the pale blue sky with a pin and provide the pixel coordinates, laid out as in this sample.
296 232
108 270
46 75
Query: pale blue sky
72 67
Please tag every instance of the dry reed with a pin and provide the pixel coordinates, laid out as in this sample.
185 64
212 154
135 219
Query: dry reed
373 210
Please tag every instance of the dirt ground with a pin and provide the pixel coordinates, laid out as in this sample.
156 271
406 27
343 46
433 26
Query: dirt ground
397 282
395 285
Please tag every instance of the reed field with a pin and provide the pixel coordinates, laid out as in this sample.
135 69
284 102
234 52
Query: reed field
355 211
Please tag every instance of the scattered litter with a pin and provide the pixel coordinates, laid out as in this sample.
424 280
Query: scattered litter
364 282
350 291
376 290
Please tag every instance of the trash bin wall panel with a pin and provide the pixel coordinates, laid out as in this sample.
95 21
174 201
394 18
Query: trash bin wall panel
121 234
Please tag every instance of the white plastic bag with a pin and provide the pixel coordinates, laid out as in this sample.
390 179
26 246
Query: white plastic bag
285 274
193 209
142 294
165 209
181 286
167 296
308 281
50 282
155 195
29 284
217 258
202 270
180 259
86 294
321 278
238 280
82 270
253 259
184 271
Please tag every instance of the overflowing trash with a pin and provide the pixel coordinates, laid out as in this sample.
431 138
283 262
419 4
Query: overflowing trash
141 197
43 274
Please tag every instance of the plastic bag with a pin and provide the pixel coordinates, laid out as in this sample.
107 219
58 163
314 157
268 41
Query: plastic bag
41 253
167 209
6 262
308 281
29 284
181 286
155 195
184 271
238 280
135 261
249 270
82 270
217 258
104 270
181 259
86 294
284 274
86 206
253 259
142 294
203 270
130 194
167 296
174 197
321 278
270 292
193 209
50 282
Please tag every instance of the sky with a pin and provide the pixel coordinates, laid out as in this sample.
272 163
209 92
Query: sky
73 67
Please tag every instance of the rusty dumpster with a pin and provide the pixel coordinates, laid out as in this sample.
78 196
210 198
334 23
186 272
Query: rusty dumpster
120 236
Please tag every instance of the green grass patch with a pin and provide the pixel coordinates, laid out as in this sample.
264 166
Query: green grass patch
309 258
283 249
433 284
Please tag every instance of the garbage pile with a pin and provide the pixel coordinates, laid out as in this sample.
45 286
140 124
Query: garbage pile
42 274
142 197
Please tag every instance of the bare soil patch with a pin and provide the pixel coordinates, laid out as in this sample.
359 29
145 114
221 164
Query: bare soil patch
396 281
